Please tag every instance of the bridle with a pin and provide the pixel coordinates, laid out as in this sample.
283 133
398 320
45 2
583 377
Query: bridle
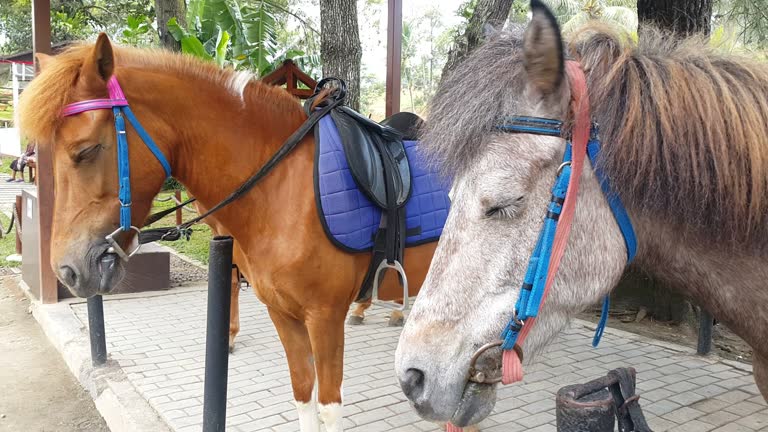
119 106
584 141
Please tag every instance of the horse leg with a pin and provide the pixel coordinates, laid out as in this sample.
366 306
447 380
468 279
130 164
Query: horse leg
327 335
760 369
234 311
295 339
357 316
396 318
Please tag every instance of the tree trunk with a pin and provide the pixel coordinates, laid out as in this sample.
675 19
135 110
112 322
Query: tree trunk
683 17
340 48
165 10
493 12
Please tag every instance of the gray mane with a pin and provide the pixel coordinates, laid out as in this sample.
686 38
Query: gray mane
464 111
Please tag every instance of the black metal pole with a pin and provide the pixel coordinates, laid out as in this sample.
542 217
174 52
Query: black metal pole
96 330
217 335
705 333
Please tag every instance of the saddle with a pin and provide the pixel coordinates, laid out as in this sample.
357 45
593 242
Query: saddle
378 162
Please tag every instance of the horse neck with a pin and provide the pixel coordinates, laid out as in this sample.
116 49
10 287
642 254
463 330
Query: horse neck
214 139
727 280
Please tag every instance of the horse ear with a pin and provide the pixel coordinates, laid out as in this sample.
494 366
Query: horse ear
101 63
543 49
43 60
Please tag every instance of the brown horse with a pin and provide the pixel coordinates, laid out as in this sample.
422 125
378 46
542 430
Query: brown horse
356 317
202 117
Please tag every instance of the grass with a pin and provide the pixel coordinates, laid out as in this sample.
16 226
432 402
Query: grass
7 244
5 165
197 246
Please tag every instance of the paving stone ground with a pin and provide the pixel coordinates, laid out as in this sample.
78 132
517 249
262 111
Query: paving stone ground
159 341
8 191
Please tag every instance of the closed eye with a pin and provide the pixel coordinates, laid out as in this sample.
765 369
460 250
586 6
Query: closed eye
505 210
87 154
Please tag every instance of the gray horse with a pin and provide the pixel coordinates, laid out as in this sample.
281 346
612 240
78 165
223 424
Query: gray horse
684 134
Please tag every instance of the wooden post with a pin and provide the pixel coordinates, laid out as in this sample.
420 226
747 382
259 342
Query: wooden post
41 43
177 193
394 55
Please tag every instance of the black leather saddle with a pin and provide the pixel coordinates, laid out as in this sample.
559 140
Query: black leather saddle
375 155
379 164
407 123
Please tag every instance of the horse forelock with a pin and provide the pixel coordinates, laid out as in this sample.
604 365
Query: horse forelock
470 100
684 127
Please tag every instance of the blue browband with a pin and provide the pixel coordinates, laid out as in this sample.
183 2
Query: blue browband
529 302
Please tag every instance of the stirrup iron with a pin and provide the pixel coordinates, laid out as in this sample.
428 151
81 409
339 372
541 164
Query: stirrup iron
375 294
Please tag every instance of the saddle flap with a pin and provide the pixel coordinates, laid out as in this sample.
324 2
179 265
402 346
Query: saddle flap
376 156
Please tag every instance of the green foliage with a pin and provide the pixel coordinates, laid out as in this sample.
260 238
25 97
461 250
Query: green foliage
138 31
70 20
171 184
197 246
190 44
742 22
7 243
244 35
571 14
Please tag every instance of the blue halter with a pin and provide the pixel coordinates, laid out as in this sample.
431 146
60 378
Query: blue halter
529 302
119 106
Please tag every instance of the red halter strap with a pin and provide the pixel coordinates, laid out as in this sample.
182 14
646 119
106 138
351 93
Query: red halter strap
512 368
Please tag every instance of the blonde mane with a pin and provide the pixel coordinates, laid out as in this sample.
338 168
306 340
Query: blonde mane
42 101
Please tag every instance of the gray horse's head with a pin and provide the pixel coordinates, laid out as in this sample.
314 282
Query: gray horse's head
502 185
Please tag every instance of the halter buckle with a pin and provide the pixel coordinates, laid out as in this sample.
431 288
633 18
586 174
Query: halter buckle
478 376
114 246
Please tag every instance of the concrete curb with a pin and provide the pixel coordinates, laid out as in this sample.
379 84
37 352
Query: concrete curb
118 401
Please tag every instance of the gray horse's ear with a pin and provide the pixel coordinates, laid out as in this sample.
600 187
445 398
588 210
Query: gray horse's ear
489 31
543 49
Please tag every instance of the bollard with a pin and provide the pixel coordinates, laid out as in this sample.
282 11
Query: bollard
217 335
704 345
96 330
597 406
18 224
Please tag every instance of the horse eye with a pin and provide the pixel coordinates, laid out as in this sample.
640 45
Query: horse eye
88 153
507 209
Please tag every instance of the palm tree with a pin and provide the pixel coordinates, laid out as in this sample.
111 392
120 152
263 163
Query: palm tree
571 14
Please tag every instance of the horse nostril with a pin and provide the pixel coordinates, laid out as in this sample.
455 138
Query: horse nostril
413 384
68 275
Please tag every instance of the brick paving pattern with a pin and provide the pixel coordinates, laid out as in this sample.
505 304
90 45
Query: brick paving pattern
8 191
160 342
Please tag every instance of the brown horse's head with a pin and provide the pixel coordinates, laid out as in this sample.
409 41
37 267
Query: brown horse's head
83 148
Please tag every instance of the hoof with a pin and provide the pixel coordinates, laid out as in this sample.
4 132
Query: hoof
355 320
396 321
231 348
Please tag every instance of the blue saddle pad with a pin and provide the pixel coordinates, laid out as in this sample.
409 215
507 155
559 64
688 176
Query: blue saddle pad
350 219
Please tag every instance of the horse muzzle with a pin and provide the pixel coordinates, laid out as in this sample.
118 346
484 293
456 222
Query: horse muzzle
98 272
